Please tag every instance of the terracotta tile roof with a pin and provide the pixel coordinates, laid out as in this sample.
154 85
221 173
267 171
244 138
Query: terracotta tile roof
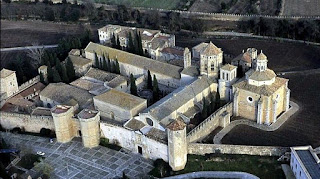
211 49
85 84
36 87
265 75
136 60
87 114
134 124
265 90
173 50
176 125
228 67
100 75
79 61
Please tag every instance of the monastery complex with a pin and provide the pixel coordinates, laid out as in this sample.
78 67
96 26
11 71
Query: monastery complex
99 104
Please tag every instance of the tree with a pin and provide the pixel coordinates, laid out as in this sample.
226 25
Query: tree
96 60
149 81
104 64
133 86
49 14
239 71
43 167
50 73
70 69
36 54
58 66
109 64
118 46
41 78
156 90
217 100
130 43
113 41
204 112
140 45
212 103
56 76
64 75
117 67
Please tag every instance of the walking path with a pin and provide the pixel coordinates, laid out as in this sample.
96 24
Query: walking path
282 119
27 48
72 160
215 174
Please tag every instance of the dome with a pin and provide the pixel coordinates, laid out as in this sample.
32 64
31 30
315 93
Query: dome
262 56
258 78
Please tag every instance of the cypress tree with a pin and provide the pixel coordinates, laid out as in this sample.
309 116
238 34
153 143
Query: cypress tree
117 66
109 64
113 67
217 100
212 104
41 78
118 46
113 41
130 44
96 60
133 86
58 66
50 74
64 75
156 90
56 76
204 112
140 45
136 43
149 81
70 69
104 65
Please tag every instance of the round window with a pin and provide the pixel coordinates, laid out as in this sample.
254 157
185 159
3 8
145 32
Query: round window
250 99
149 121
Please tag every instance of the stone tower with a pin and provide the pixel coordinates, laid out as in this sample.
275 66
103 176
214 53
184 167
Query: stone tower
90 127
9 83
177 144
186 58
228 75
210 60
62 118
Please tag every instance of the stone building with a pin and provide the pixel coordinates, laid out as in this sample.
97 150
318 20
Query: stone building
211 58
81 65
228 76
169 76
119 106
153 41
171 53
8 82
261 95
245 59
90 127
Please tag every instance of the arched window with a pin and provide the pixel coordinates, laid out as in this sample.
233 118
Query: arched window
149 121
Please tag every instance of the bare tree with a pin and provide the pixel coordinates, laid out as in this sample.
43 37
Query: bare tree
36 55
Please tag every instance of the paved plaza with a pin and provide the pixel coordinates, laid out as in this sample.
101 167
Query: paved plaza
72 160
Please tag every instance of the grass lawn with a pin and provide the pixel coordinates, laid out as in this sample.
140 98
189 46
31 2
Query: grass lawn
263 167
162 4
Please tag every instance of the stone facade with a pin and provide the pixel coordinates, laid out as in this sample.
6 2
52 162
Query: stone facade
210 60
228 76
90 127
202 149
8 82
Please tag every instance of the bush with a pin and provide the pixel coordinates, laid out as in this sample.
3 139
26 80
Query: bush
161 169
16 130
105 142
45 132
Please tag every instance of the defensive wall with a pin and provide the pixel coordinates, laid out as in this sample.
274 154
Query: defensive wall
210 16
26 122
220 117
202 149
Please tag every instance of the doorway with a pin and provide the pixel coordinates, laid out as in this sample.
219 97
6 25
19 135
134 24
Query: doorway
140 150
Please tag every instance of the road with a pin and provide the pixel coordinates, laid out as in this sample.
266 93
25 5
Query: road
27 48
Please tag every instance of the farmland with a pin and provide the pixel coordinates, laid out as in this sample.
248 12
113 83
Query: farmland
26 33
301 7
266 7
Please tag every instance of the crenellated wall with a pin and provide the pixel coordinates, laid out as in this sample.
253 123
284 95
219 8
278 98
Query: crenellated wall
30 123
221 117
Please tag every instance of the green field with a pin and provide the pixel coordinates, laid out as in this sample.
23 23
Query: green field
161 4
263 167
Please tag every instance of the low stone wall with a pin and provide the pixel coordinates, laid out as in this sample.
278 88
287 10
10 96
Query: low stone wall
218 118
202 149
30 123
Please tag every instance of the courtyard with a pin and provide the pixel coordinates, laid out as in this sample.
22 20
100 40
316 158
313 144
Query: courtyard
72 160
